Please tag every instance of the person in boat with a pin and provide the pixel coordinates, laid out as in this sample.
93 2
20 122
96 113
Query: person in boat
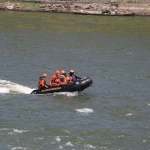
63 80
73 77
42 82
55 79
66 77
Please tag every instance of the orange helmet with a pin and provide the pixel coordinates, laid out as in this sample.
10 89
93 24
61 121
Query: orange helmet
72 71
57 72
44 75
62 72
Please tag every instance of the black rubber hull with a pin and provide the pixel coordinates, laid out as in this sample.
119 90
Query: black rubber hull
79 85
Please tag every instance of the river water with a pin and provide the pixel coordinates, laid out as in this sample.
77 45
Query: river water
112 114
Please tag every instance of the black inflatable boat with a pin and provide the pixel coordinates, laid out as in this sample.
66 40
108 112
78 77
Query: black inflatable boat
78 85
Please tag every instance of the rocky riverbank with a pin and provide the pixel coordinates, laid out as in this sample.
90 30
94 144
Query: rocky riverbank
111 8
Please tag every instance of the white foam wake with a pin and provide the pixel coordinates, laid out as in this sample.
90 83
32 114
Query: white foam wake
10 87
19 148
4 90
85 110
69 94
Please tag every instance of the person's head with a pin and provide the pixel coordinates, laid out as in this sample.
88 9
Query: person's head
62 78
63 73
71 72
44 75
57 72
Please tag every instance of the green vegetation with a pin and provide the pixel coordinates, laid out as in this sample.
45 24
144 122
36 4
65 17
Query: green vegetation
29 4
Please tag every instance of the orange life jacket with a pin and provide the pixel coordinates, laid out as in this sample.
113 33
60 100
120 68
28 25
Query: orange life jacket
42 82
63 80
54 81
70 78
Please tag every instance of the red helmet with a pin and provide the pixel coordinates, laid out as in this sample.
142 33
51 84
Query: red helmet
57 72
44 75
62 72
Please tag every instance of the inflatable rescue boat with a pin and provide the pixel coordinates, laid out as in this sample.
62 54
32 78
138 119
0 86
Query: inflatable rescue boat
78 85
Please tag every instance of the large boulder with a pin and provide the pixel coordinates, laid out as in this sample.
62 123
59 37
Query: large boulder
7 6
